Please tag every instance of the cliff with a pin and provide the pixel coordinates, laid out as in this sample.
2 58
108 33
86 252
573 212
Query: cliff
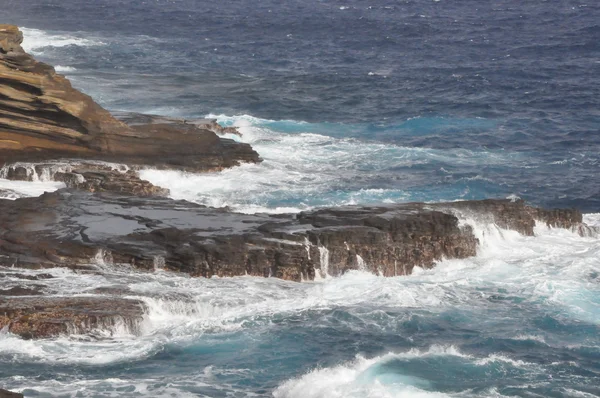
43 117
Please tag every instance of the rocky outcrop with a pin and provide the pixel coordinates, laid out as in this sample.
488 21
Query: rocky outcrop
9 394
43 117
86 175
100 232
34 317
68 228
102 180
138 119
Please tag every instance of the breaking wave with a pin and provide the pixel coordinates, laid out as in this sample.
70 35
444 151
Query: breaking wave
307 165
548 282
36 41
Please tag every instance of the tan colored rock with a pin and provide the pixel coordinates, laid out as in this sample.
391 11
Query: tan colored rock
43 117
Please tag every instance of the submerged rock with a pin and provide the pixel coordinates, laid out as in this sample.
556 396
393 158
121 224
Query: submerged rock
75 228
43 117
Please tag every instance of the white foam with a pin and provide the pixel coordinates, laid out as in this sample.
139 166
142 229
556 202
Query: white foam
303 169
348 380
370 378
64 69
592 219
35 40
365 378
552 268
22 189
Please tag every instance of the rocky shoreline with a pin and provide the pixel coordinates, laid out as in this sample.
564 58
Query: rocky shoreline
108 216
100 232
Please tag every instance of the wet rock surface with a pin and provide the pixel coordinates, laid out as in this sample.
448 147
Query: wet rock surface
90 176
9 394
138 119
70 227
35 317
43 117
102 232
109 217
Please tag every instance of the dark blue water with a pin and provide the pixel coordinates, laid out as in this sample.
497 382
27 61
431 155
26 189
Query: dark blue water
512 76
348 102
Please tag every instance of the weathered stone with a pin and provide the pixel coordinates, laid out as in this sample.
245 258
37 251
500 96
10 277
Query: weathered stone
43 117
21 291
112 181
137 119
69 228
35 317
9 394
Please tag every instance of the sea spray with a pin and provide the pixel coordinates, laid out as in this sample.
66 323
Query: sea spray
324 261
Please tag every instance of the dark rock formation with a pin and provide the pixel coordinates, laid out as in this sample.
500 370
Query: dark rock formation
89 176
97 231
137 119
42 117
109 180
9 394
33 317
20 291
69 228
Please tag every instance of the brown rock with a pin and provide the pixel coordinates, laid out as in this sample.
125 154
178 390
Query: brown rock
35 317
70 228
43 117
21 291
9 394
137 119
110 180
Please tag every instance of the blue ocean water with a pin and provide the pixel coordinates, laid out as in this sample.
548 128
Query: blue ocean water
348 102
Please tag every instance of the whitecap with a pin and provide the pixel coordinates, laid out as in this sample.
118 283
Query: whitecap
35 40
24 189
64 69
304 168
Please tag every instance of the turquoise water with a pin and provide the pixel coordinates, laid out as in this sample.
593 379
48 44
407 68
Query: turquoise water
520 319
347 102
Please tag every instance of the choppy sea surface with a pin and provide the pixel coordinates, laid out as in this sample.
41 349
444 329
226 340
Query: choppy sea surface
347 102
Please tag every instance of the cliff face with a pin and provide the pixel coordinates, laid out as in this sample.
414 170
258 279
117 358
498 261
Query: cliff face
43 117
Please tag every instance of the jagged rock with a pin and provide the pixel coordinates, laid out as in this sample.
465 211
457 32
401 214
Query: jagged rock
35 317
43 117
89 176
69 228
112 181
9 394
21 291
136 119
26 277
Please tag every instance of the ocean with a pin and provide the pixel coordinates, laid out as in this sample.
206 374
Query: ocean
347 102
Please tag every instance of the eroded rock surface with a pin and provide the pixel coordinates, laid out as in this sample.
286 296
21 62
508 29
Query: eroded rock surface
43 117
34 317
68 228
9 394
138 119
